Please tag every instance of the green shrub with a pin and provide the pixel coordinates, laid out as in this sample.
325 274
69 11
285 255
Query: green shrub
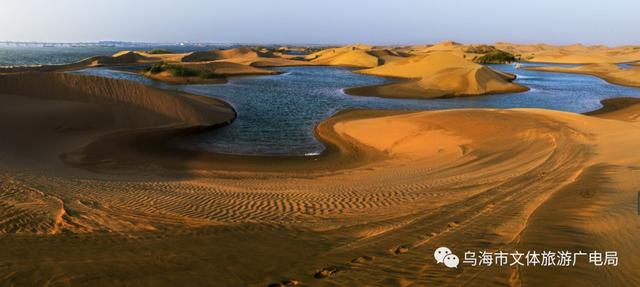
209 75
159 51
182 71
179 71
481 49
157 68
496 57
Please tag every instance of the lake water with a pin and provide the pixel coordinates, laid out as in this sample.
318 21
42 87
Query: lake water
277 114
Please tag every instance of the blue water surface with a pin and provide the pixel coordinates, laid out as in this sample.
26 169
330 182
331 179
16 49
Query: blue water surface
277 114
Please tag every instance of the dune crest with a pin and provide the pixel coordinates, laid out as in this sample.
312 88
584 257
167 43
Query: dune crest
572 54
609 72
201 56
352 56
438 74
245 56
132 104
202 72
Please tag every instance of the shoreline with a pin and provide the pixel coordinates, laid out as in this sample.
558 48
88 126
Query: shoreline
157 147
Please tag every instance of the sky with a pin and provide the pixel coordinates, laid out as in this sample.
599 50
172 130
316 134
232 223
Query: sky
610 22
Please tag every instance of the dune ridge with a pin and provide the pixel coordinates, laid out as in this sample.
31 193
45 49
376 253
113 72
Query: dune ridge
205 72
437 75
202 56
245 56
624 109
573 54
352 56
161 107
121 58
611 73
219 63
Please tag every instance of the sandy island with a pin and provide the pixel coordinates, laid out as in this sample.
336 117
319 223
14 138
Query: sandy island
437 75
611 73
94 191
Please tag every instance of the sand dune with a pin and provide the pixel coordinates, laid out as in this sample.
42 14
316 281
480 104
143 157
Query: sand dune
158 107
436 75
166 57
266 62
213 55
209 72
368 212
624 109
448 46
121 58
229 68
352 56
210 67
52 107
216 64
572 54
245 56
470 52
609 72
388 55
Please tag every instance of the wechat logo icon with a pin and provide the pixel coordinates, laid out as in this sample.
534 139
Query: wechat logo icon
445 256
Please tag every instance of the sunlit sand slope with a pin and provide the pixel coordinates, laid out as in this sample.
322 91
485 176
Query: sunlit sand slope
572 54
609 72
435 75
353 56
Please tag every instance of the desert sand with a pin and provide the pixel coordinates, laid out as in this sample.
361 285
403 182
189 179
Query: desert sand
435 75
350 56
447 46
471 52
217 72
572 54
245 56
611 73
92 177
219 64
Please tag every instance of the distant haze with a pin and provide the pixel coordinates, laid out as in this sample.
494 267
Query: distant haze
612 22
